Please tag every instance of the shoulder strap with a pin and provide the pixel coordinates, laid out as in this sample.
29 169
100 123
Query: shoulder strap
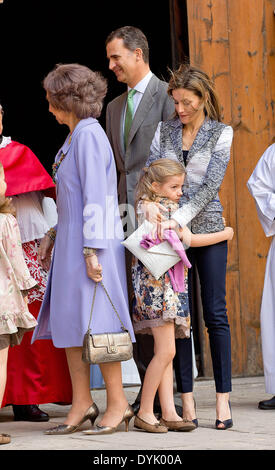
93 302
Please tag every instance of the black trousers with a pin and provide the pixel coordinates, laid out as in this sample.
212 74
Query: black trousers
211 264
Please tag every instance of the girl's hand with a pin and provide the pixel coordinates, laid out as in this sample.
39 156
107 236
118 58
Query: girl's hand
159 228
94 269
152 211
229 233
44 252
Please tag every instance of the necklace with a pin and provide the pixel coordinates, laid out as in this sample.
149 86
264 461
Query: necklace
194 131
56 165
188 136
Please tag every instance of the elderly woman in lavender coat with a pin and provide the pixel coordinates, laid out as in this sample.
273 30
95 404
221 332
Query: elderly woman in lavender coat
87 246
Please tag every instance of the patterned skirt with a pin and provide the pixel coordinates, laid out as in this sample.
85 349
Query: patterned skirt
156 302
30 250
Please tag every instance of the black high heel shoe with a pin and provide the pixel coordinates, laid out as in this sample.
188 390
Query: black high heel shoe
228 423
195 420
196 423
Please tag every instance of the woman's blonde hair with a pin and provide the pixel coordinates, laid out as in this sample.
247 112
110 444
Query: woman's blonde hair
195 80
158 172
6 206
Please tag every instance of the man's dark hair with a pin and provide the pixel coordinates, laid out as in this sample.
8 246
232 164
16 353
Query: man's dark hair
133 38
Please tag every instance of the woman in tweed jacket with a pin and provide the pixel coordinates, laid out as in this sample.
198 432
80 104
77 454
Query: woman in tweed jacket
201 142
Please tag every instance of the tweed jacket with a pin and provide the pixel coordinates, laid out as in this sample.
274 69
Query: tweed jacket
154 107
206 164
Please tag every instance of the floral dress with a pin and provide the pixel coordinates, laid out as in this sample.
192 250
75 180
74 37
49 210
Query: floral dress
155 300
15 318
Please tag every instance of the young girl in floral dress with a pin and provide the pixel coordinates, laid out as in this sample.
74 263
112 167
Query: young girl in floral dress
158 309
15 281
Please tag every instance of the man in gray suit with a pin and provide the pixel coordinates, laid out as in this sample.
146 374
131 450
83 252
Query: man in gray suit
128 54
131 122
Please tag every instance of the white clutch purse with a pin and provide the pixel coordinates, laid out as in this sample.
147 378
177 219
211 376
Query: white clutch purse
157 259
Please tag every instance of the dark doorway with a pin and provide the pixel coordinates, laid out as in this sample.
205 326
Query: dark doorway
36 35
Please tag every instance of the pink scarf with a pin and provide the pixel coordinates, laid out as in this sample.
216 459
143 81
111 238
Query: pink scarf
176 273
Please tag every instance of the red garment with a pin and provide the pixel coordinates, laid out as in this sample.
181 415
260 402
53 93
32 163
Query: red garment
37 373
24 172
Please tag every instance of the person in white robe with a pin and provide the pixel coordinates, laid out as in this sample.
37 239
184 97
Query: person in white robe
261 185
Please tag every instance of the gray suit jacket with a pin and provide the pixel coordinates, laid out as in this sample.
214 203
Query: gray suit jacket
154 107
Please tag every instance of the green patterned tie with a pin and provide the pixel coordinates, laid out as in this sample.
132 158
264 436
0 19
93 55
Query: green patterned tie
128 116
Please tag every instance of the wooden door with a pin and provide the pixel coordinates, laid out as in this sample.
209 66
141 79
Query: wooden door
233 41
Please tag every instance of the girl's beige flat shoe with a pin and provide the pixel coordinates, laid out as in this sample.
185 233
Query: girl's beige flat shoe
5 439
156 427
184 425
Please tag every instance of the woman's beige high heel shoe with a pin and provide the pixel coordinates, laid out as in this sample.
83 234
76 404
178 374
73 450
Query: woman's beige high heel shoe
91 414
96 430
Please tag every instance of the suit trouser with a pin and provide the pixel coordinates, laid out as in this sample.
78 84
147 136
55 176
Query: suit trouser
211 264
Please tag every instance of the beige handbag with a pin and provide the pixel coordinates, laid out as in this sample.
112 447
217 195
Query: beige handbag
106 347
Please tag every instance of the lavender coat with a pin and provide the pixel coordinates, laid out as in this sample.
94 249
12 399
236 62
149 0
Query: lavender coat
87 216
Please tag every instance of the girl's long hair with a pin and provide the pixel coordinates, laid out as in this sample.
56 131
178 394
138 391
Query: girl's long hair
158 171
6 206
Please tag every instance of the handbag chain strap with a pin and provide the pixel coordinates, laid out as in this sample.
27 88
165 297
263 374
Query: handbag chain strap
93 302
